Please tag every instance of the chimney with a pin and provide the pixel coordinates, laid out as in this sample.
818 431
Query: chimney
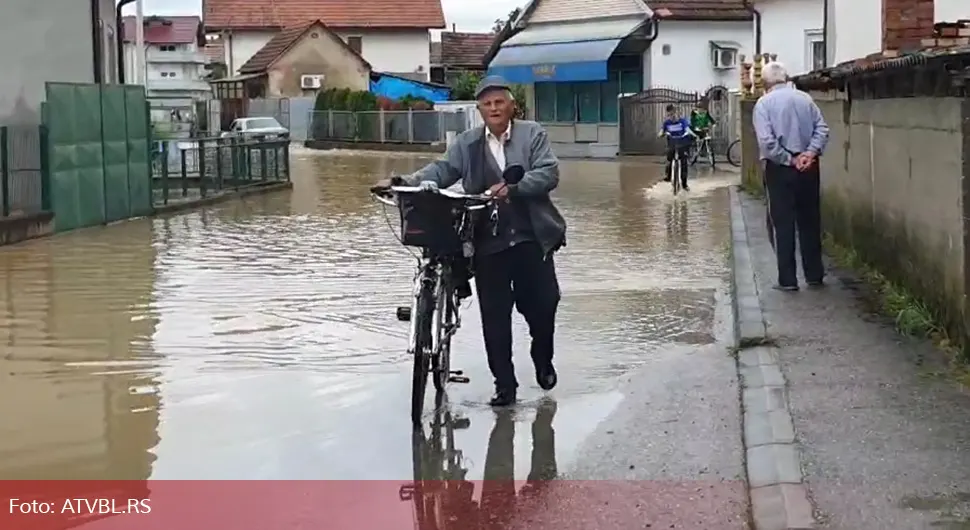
905 23
454 28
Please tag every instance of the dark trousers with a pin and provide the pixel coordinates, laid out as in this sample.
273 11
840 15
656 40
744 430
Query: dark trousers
793 206
683 148
517 276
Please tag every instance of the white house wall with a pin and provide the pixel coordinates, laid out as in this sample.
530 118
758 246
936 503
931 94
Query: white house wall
385 50
784 30
567 10
952 10
30 58
855 29
688 67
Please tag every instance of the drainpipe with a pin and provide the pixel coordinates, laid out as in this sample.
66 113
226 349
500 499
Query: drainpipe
120 32
96 41
825 33
757 25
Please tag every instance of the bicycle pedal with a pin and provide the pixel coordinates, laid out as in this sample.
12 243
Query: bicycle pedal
457 372
458 379
404 314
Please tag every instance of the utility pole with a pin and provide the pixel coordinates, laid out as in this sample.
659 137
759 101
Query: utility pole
140 63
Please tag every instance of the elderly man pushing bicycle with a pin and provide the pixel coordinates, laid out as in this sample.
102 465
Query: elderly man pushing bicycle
513 259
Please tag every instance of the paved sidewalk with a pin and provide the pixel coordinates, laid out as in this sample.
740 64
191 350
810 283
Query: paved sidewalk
884 441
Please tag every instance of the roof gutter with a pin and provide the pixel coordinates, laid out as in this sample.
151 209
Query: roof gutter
757 25
96 41
120 32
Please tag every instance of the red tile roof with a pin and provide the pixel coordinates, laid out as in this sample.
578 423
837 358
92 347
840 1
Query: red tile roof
700 9
465 49
165 30
281 43
275 14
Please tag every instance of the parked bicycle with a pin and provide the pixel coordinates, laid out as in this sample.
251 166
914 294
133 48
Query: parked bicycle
441 224
734 153
702 148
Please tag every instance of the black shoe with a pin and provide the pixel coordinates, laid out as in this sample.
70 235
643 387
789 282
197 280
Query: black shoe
503 398
817 284
546 377
786 288
666 179
463 290
686 187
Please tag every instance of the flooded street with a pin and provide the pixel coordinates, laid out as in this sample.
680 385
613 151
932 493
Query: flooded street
257 339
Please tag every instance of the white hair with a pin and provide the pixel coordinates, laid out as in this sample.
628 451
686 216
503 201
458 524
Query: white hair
774 73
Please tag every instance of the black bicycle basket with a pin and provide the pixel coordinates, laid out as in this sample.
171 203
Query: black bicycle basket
430 221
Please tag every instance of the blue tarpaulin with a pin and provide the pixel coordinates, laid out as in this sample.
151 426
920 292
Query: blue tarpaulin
394 87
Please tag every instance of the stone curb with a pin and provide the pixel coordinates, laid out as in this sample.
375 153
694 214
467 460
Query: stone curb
779 496
749 322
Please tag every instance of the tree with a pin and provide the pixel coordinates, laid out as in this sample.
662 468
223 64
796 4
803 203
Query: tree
500 24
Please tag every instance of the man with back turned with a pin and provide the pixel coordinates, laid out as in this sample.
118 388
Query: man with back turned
792 134
514 263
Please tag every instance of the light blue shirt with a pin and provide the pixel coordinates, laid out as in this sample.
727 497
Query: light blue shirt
788 123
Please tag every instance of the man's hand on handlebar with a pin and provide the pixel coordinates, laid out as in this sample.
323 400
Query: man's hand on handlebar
499 191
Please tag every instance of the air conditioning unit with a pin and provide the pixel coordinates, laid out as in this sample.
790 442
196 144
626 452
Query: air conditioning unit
311 81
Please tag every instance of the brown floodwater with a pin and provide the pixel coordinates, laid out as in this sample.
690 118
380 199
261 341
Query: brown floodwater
257 338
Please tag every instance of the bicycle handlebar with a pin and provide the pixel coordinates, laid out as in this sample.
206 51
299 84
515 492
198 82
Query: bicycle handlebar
477 201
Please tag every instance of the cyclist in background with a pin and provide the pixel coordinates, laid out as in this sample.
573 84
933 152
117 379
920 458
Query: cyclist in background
679 139
701 120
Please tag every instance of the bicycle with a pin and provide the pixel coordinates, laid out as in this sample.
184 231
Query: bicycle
675 167
441 223
439 491
703 145
734 153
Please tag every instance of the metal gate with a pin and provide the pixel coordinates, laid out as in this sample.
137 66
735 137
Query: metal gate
641 116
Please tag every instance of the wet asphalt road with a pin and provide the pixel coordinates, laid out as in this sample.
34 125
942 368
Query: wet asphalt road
257 340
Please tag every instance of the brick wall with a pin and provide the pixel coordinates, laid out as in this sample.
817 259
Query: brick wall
905 23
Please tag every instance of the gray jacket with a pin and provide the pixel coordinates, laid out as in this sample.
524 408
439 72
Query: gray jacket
528 146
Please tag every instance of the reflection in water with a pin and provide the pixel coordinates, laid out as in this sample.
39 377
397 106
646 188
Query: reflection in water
79 400
675 217
442 496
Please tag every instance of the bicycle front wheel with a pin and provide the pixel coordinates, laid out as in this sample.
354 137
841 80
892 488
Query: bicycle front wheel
675 175
734 153
422 353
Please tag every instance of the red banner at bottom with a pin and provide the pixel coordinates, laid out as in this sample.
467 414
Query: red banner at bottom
372 505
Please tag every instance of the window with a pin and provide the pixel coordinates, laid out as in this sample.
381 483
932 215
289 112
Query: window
587 101
814 50
356 43
167 47
724 54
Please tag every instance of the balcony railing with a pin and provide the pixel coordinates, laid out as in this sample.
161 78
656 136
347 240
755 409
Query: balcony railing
195 85
158 56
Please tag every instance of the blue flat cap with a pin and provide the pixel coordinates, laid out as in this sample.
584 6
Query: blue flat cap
491 82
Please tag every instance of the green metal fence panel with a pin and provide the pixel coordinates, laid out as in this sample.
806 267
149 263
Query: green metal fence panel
90 156
139 160
61 121
115 132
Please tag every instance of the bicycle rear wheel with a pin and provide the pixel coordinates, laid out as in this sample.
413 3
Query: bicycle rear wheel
734 153
422 353
444 320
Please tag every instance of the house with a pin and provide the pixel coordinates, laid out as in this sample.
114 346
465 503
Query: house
857 28
576 56
392 35
458 52
299 61
792 29
175 65
86 53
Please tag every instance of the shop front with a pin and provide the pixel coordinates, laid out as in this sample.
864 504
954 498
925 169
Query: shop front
573 73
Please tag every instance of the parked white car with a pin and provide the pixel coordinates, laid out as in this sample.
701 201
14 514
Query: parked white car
258 128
